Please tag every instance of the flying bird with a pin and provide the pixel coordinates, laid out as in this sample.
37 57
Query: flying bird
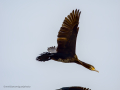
73 88
66 49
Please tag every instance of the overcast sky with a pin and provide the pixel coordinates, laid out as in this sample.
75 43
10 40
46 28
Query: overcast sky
29 27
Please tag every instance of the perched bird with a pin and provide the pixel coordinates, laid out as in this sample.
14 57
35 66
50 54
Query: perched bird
65 51
73 88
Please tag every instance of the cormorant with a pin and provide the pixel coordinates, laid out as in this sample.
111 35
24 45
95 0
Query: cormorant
65 51
73 88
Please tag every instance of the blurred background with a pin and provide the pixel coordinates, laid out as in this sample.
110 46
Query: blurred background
29 27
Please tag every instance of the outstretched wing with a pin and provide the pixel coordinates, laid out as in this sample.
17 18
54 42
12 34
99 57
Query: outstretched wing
68 33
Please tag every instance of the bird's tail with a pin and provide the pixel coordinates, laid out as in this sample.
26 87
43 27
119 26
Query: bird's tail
45 56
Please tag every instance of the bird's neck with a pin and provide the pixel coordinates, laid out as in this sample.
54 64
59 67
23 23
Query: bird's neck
86 65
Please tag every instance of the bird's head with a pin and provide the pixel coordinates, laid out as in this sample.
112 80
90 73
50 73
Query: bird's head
86 65
92 68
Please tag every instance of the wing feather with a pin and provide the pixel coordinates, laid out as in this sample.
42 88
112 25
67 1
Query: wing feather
68 33
52 49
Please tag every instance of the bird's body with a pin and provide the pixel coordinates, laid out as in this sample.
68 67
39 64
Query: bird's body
62 57
66 58
65 51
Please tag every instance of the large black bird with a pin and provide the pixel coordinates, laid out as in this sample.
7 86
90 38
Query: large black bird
65 51
74 88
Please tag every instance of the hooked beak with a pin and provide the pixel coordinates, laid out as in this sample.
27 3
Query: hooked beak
96 70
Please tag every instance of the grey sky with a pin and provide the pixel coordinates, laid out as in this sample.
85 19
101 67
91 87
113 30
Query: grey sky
28 27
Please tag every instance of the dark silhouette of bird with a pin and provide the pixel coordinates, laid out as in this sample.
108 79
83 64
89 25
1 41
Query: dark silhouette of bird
65 51
73 88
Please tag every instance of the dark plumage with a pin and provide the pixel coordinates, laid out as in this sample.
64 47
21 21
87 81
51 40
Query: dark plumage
65 51
74 88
